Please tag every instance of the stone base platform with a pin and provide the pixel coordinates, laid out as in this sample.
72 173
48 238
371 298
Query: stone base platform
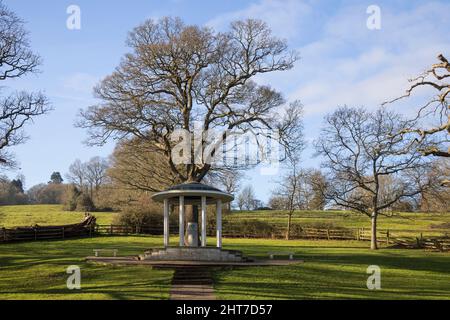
133 261
194 254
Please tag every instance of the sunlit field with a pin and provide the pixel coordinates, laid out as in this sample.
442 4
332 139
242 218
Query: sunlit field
331 270
43 215
14 216
37 270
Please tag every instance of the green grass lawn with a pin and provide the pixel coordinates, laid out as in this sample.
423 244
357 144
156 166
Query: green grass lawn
17 216
37 270
335 270
332 270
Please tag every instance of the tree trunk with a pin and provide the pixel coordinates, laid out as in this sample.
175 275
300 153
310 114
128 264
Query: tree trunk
373 241
191 216
288 232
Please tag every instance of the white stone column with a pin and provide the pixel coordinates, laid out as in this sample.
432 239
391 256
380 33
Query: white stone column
166 222
181 221
219 223
203 221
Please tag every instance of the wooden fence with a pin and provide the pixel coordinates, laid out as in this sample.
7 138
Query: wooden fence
360 234
127 230
436 243
389 237
42 233
85 228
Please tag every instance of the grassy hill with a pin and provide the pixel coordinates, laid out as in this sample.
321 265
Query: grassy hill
347 219
14 216
29 215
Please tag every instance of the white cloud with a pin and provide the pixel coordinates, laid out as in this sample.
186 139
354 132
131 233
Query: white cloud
352 65
342 61
285 17
80 83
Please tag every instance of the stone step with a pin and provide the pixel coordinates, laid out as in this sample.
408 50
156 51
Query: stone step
183 269
192 276
193 282
195 254
190 272
197 278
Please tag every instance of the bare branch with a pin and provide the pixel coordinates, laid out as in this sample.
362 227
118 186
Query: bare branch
434 78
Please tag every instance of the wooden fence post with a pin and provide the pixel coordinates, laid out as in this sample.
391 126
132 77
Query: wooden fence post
387 236
111 230
438 245
328 234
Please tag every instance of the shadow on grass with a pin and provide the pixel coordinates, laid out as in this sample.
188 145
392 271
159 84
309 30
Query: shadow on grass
322 281
328 272
417 260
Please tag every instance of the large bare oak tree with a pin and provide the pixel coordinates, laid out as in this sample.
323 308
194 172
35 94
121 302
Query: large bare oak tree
178 74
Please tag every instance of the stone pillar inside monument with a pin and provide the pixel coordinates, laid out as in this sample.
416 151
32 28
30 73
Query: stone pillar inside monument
166 223
219 223
192 234
191 216
181 221
203 221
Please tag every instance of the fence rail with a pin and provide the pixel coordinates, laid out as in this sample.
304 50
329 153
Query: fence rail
416 238
12 235
437 244
85 228
389 237
126 230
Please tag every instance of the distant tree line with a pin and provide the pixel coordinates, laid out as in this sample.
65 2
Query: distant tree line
11 191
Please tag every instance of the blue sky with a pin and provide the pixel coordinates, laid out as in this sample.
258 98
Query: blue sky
342 61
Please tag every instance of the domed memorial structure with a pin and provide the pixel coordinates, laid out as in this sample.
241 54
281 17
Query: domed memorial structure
195 194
